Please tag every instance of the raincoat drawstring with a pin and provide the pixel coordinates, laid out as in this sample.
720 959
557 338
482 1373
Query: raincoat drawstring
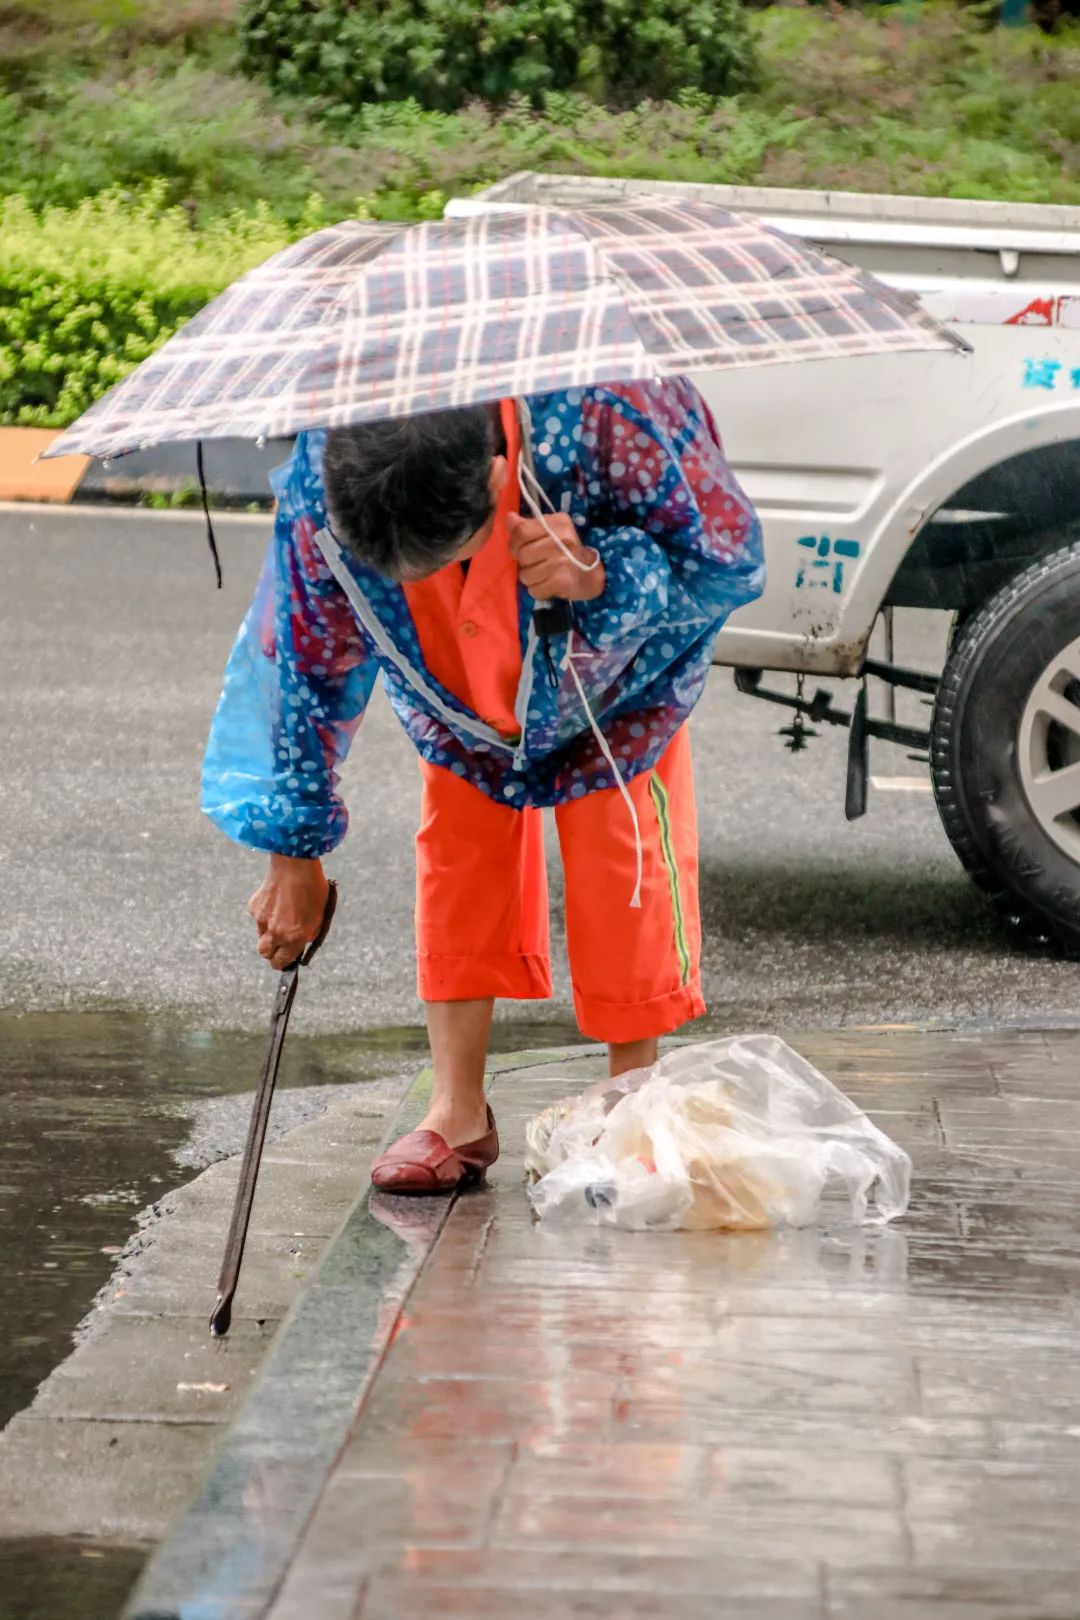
526 476
635 898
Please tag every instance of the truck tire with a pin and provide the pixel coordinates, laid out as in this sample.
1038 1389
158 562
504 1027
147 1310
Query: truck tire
1005 747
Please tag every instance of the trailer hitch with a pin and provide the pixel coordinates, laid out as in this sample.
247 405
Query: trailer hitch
820 708
859 723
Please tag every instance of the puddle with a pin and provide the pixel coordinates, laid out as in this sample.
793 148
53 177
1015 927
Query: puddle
65 1580
92 1108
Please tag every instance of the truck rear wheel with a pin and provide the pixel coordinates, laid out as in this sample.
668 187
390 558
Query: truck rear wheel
1005 747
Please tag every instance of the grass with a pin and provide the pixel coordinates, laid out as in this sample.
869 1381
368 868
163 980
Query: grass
104 93
927 102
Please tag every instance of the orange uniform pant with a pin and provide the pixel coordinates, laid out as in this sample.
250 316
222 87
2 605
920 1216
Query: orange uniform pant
482 905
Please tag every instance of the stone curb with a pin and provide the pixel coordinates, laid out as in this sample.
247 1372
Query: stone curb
229 1552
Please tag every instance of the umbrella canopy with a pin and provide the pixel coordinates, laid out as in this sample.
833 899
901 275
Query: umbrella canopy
368 320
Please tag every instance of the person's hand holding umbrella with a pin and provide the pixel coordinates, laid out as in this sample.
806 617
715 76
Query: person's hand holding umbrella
552 562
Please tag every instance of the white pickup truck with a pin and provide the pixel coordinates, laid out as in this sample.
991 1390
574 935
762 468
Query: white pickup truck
923 481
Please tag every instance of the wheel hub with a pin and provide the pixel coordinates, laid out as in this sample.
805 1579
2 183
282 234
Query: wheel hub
1049 751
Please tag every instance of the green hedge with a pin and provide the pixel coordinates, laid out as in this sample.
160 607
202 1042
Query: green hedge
445 53
86 293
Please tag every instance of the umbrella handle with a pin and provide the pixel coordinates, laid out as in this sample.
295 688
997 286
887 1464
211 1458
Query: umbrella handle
553 617
304 959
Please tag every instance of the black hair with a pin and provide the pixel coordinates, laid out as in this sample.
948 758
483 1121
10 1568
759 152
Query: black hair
405 495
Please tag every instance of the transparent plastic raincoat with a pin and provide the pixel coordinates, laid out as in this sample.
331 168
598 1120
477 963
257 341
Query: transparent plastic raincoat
640 469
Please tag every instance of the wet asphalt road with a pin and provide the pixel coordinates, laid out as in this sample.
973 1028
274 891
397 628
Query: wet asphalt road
116 892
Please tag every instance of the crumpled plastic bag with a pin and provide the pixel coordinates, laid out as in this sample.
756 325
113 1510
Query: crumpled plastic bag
738 1135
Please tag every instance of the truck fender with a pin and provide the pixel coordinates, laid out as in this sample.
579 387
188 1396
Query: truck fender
1025 438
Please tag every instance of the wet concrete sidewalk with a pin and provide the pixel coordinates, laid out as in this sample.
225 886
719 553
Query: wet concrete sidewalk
818 1425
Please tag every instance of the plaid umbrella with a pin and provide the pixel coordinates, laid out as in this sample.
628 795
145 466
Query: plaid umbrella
367 320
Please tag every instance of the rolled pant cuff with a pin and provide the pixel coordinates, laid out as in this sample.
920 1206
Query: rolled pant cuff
473 978
619 1021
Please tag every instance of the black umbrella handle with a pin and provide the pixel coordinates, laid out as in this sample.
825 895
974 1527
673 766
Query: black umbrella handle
553 618
305 959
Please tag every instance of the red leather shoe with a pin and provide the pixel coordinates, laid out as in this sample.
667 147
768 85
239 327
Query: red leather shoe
422 1162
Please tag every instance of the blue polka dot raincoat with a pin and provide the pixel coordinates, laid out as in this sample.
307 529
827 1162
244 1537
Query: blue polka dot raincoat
640 469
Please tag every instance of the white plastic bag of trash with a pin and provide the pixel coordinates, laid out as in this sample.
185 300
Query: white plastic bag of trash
737 1135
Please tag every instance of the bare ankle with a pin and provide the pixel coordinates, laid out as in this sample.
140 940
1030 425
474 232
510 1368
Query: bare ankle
458 1120
458 1031
623 1056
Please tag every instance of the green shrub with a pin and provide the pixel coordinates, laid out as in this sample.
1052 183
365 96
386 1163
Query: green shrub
448 52
87 293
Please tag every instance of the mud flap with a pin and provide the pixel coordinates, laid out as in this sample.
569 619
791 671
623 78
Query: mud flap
858 760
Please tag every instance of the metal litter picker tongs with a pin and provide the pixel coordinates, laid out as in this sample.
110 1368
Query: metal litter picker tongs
284 997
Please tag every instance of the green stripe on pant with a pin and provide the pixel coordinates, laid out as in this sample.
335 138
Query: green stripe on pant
663 815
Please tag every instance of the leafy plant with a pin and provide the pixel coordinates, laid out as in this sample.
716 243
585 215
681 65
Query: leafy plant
174 500
445 53
87 293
